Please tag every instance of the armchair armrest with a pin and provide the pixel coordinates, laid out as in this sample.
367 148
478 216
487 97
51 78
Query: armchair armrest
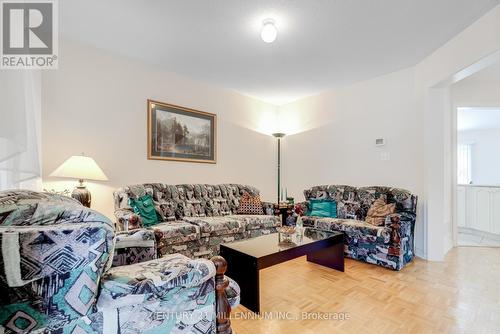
134 246
222 305
127 220
158 279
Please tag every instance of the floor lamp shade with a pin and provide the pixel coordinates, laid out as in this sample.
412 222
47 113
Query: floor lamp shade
81 168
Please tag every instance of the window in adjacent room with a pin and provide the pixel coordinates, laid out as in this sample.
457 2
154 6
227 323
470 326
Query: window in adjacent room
464 159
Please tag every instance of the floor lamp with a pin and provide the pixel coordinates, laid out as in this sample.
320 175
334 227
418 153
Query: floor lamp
279 135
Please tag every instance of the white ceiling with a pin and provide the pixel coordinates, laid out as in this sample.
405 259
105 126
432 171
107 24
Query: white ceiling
321 44
478 119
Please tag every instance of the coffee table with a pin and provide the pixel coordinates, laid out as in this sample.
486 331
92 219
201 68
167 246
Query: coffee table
246 258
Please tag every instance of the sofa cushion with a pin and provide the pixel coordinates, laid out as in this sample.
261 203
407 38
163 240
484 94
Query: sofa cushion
176 232
256 222
210 226
378 211
353 228
348 206
250 205
145 208
367 195
322 208
144 281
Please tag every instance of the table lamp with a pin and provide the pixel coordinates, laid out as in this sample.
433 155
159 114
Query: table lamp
82 168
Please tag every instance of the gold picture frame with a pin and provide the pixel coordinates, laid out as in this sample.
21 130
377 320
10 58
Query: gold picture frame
177 133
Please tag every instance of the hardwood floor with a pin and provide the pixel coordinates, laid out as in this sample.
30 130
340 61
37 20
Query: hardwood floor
459 295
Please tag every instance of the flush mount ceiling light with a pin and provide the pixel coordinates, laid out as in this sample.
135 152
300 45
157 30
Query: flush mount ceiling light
269 31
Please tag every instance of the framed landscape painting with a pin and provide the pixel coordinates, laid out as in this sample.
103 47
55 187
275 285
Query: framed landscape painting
181 134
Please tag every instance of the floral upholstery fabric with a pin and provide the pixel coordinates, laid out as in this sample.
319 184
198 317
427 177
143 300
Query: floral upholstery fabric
176 232
353 228
256 222
210 226
378 211
196 218
173 316
390 245
134 246
53 252
233 293
174 202
62 252
151 280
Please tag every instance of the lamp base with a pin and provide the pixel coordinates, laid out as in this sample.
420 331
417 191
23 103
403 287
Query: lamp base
82 195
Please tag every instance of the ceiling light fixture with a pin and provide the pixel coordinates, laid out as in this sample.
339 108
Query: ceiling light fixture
269 31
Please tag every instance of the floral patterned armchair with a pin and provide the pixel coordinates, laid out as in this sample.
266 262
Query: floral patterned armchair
55 276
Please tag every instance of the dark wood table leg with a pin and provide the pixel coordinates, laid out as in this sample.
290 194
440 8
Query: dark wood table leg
244 270
331 257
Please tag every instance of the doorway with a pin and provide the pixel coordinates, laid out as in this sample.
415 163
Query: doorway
477 196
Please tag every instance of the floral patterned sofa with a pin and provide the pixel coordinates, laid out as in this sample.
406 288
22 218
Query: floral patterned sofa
390 245
196 219
55 276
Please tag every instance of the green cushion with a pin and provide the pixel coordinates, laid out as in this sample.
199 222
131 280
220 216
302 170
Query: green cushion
144 207
322 208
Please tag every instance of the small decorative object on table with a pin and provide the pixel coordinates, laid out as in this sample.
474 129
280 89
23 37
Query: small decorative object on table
285 233
299 225
284 210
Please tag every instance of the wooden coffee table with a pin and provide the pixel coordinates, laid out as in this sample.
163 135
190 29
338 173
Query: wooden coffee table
247 257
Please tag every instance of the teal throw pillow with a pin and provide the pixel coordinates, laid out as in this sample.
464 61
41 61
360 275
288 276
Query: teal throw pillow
322 208
144 207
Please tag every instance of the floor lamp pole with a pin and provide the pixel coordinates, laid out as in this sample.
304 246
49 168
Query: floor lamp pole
279 136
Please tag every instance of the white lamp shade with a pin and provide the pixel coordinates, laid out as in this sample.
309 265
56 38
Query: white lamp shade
80 167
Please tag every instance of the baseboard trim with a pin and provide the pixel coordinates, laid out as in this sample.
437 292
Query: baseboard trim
479 233
420 253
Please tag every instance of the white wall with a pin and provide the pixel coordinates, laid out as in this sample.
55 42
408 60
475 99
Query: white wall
485 157
415 109
472 93
335 132
96 103
411 108
471 50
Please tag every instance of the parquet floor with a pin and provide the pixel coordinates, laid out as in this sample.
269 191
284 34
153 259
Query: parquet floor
459 295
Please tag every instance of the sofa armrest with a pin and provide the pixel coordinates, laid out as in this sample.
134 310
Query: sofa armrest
402 226
268 208
127 220
301 208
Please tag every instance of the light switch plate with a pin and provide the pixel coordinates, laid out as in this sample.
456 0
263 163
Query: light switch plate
385 156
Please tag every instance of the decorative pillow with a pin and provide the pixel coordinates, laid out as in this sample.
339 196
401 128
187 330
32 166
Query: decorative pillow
322 208
250 205
378 211
144 207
